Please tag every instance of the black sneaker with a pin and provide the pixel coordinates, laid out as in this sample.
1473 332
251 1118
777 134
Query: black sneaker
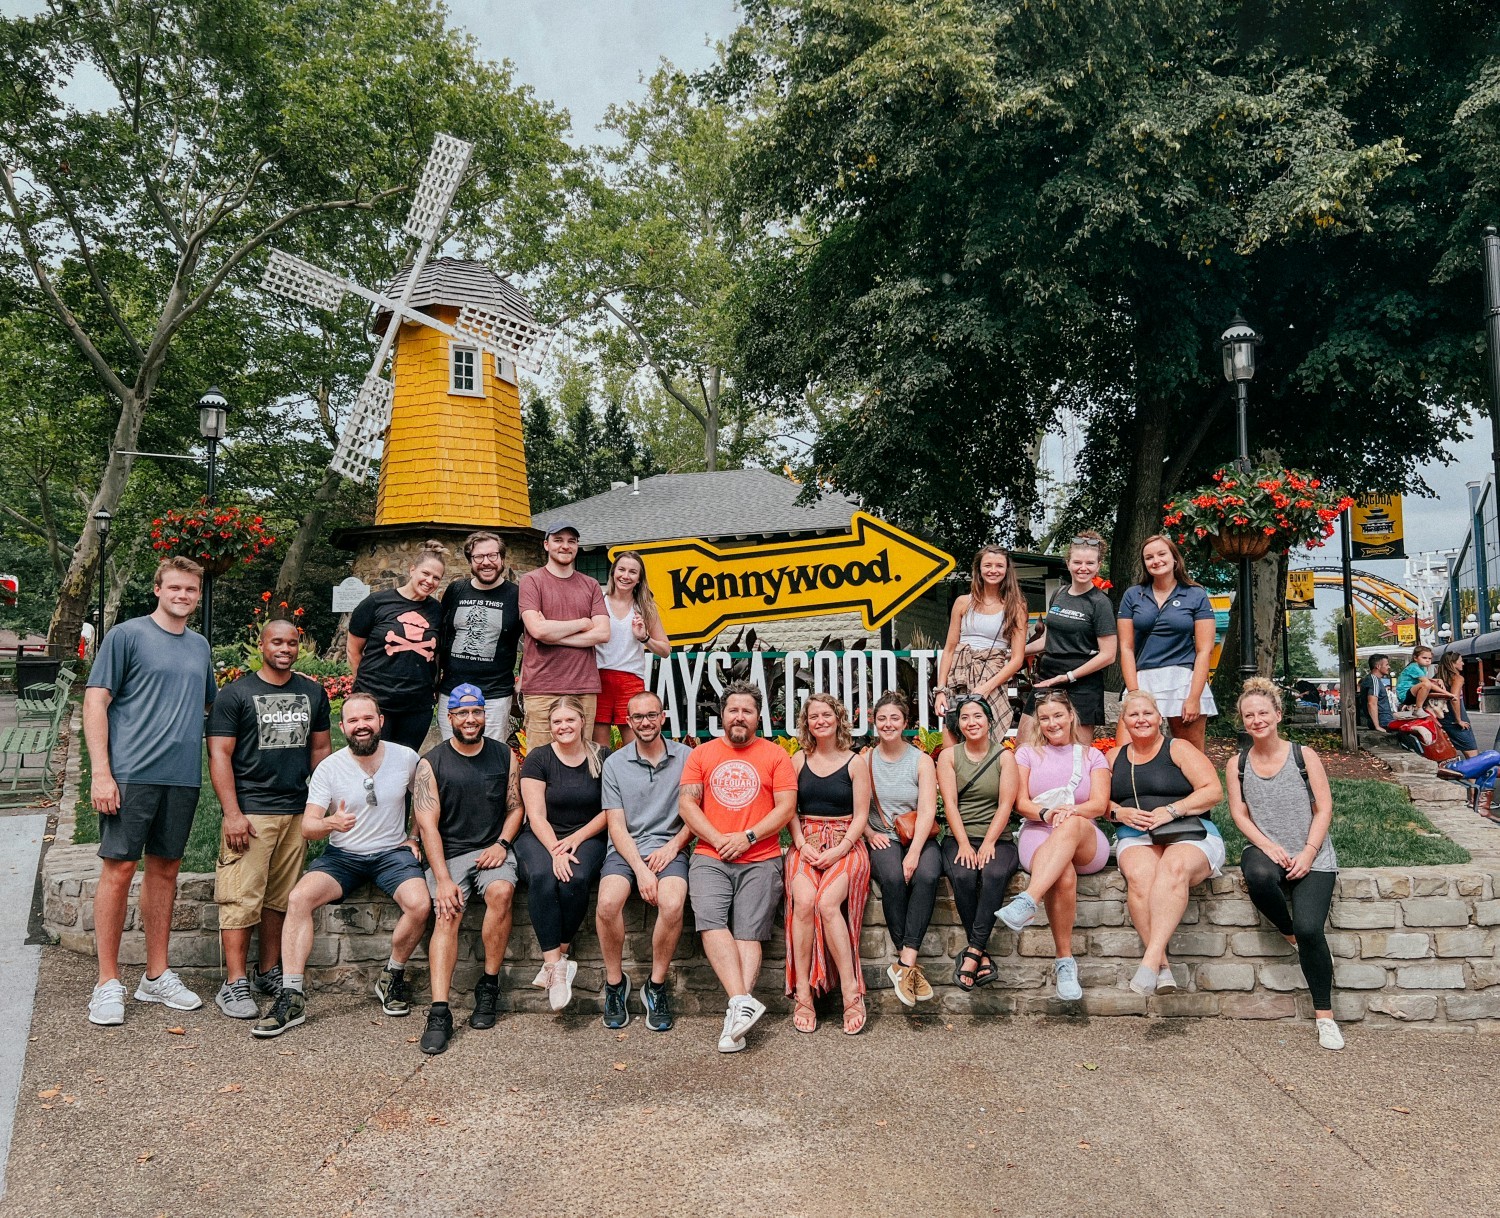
439 1030
268 982
486 996
616 998
393 992
289 1009
658 1003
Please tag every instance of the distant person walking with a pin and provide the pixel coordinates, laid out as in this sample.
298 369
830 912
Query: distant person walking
634 629
143 721
565 618
479 633
393 640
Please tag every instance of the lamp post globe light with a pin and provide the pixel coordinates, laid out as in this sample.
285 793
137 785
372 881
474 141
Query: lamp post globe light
1238 344
1445 633
213 422
1470 626
102 521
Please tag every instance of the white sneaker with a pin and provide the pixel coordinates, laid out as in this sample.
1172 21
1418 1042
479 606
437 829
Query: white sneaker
747 1011
729 1043
1165 982
1329 1036
169 991
107 1004
560 992
543 978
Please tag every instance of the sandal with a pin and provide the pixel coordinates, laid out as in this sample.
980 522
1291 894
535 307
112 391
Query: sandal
967 981
809 1023
987 972
856 1008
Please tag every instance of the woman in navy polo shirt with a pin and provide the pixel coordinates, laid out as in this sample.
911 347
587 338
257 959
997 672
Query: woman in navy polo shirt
1167 639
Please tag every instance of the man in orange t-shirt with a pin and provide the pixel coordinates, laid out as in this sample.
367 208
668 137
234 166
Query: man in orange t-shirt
737 795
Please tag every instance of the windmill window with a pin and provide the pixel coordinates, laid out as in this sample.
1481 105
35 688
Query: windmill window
465 371
505 369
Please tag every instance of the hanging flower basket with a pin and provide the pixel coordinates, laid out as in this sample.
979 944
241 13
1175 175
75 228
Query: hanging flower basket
1249 515
215 537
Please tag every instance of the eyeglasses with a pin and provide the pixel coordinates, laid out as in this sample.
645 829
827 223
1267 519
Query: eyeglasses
370 792
648 717
1091 543
484 558
468 712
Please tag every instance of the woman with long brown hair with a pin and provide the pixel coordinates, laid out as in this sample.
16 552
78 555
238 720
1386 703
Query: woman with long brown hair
1455 721
634 629
986 643
1167 639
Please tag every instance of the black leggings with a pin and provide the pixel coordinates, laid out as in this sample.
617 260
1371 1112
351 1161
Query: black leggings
1308 912
908 909
407 725
558 908
978 894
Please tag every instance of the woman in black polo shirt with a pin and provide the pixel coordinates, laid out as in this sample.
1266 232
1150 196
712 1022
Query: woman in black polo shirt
1078 640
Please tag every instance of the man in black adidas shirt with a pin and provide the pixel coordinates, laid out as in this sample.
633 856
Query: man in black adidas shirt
466 799
267 732
479 632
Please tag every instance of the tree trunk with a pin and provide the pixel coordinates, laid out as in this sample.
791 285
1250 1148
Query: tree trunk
117 579
1145 448
73 594
289 577
1267 587
711 422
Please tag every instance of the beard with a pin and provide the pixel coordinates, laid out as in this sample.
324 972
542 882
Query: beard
739 733
364 746
468 733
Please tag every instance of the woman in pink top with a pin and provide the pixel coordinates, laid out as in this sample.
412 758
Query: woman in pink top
1064 791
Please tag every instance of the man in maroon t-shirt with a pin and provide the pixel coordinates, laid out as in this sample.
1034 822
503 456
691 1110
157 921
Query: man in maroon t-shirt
565 618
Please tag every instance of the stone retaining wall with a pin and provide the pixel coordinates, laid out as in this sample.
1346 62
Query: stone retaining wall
1411 945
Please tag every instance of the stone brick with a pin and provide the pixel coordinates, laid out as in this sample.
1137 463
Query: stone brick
1039 943
1232 913
358 919
1226 885
1357 887
1226 976
1485 973
1434 911
1393 885
185 915
1363 915
1428 885
1282 977
1107 974
1487 913
1470 885
1197 943
1348 1006
1112 1002
1355 977
1114 943
210 917
195 889
1430 976
1193 1006
1409 1008
1260 943
1472 941
1345 946
1395 946
1258 1006
873 942
1472 1006
358 948
1099 913
1020 976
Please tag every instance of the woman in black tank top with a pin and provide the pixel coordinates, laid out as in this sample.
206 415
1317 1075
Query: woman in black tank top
1159 786
828 866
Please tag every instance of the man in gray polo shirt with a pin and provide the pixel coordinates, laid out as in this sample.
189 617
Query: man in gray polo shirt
646 842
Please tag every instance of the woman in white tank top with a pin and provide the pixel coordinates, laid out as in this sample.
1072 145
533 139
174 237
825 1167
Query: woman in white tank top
634 628
986 643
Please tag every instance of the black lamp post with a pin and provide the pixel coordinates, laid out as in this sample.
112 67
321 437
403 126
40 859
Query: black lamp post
102 521
213 421
1239 343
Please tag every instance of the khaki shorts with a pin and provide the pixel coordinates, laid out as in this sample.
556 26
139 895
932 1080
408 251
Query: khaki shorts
261 877
539 711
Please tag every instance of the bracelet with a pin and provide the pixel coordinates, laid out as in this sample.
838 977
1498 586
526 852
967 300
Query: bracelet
1072 677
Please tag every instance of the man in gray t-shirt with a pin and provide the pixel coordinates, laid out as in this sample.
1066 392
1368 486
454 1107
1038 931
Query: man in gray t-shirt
143 721
639 788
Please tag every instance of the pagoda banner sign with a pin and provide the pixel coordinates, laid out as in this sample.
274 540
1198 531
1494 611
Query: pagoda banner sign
1377 530
875 570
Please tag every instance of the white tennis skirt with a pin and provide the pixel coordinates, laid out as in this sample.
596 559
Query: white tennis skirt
1170 686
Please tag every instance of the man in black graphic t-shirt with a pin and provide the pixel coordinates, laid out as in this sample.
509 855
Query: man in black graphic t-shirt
267 732
479 632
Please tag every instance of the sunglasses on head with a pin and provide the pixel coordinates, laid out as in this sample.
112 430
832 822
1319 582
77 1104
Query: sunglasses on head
1091 543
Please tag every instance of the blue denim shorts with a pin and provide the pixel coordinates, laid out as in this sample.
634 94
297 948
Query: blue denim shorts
387 870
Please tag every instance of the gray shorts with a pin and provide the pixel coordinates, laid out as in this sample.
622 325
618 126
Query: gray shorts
615 864
741 898
152 818
472 880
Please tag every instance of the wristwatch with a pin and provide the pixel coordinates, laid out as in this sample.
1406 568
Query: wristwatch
1072 677
1172 811
750 836
506 844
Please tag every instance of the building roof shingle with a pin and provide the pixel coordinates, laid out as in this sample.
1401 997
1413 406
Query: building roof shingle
457 282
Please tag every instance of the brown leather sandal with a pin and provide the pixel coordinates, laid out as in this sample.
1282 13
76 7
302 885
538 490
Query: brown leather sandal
807 1023
856 1010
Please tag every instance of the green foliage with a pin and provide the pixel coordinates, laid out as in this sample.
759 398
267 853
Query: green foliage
1369 631
1299 645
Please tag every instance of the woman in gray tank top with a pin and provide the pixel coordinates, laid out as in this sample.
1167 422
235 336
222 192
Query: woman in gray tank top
903 779
1280 800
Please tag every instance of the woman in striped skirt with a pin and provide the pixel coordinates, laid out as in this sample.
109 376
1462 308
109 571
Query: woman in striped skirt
828 867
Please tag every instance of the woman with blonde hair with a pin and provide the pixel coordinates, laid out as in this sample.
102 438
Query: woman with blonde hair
562 848
1078 639
634 629
1167 639
828 867
1280 800
400 672
986 643
1063 791
1161 793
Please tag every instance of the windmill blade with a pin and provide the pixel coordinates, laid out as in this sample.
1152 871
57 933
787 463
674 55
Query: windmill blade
520 338
445 170
364 435
302 281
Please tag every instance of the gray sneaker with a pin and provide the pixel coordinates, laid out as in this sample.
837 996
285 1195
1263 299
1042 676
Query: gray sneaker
236 1001
268 982
169 991
1066 973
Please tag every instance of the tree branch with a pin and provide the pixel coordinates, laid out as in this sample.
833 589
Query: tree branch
644 344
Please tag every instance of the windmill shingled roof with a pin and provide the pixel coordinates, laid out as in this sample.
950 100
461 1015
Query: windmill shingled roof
727 503
457 282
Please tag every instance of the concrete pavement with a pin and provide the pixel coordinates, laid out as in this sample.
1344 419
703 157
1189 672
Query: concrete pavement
557 1116
20 848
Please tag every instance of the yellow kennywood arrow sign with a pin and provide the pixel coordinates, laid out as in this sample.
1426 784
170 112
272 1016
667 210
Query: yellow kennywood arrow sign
875 569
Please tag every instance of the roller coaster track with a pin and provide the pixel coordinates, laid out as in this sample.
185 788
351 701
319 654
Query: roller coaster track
1376 595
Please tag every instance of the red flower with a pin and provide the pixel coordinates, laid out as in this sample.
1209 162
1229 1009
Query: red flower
265 596
297 612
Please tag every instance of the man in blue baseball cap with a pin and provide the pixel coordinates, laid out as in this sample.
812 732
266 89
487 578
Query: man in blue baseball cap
466 800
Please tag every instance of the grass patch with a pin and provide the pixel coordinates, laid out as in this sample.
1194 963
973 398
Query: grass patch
1374 825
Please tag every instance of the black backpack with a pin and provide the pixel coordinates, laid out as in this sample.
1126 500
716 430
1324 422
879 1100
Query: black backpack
1296 756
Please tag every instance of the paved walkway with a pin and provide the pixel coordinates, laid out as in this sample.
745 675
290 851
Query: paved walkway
556 1116
20 849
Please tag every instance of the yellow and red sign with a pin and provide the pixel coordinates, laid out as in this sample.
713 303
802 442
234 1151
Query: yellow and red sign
1376 527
